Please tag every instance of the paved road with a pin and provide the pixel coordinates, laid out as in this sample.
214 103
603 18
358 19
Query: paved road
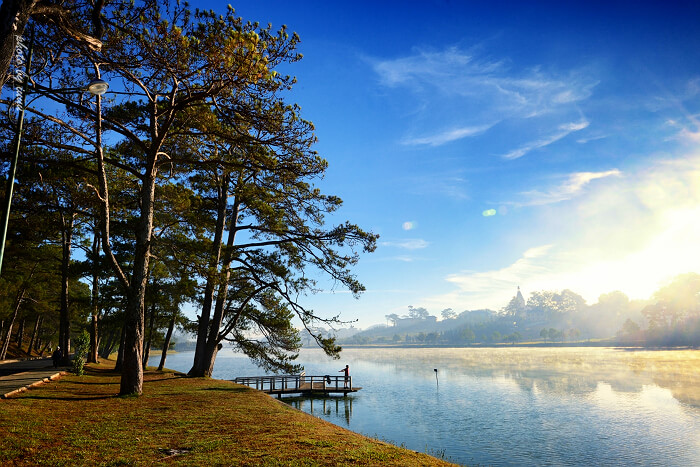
17 374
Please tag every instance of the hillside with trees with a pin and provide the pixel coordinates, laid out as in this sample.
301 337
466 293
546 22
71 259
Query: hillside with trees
671 317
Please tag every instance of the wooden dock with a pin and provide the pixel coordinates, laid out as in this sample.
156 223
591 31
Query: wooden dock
300 384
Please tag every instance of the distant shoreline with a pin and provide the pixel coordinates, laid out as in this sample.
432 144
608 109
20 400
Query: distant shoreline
524 344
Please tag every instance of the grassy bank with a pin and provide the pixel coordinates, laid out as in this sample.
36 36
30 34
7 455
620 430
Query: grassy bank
179 421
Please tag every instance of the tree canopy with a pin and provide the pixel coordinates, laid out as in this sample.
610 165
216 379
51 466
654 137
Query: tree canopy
194 171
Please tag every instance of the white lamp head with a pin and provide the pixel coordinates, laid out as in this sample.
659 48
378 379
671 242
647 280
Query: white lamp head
97 87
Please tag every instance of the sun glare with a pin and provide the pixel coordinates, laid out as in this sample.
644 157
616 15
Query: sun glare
671 252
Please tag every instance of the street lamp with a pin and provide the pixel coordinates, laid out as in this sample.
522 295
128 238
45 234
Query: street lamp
97 87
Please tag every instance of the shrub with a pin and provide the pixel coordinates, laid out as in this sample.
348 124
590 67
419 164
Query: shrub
82 345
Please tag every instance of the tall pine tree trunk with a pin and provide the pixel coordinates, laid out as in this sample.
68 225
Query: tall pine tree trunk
132 367
35 332
166 343
8 337
94 341
20 333
109 344
147 347
46 345
200 354
120 351
18 302
132 370
213 341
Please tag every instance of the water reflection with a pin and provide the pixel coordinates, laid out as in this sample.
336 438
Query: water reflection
519 406
556 371
514 406
328 407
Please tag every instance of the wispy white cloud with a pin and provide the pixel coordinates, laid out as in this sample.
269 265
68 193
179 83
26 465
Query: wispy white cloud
448 81
536 252
493 289
590 138
403 259
457 72
410 244
562 131
508 277
688 129
451 184
429 66
569 188
690 136
446 136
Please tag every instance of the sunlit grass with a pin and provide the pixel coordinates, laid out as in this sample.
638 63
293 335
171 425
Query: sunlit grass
179 420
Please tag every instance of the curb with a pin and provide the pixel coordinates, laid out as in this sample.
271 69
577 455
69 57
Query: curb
41 382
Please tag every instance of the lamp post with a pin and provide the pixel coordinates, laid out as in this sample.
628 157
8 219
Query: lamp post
96 87
9 190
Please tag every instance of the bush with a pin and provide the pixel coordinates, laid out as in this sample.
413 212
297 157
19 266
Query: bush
82 346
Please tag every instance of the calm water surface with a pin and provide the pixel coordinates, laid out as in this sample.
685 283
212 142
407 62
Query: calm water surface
512 406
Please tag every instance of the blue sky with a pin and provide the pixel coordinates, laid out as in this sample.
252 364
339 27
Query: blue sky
545 145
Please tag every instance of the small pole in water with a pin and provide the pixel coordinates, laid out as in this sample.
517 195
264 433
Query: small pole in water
436 377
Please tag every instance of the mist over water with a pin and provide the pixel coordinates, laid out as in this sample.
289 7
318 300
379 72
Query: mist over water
512 406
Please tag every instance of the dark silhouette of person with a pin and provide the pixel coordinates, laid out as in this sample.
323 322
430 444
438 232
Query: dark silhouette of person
346 370
56 356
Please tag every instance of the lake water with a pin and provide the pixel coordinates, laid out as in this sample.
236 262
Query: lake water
511 406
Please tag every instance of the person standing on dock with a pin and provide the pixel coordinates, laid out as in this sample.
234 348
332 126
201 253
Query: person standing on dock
346 370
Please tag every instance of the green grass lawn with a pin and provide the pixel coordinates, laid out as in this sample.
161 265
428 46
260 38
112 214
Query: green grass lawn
178 420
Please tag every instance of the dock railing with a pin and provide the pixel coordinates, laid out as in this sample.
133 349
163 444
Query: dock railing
296 383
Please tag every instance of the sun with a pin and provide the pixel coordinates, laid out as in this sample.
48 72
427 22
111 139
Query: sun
672 251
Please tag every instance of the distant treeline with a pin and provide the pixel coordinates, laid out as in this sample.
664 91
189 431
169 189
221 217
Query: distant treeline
671 317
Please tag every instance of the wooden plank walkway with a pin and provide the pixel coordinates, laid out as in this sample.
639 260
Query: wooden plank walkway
300 384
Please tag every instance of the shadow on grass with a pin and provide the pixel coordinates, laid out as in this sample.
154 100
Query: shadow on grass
92 383
226 389
101 371
77 397
156 380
